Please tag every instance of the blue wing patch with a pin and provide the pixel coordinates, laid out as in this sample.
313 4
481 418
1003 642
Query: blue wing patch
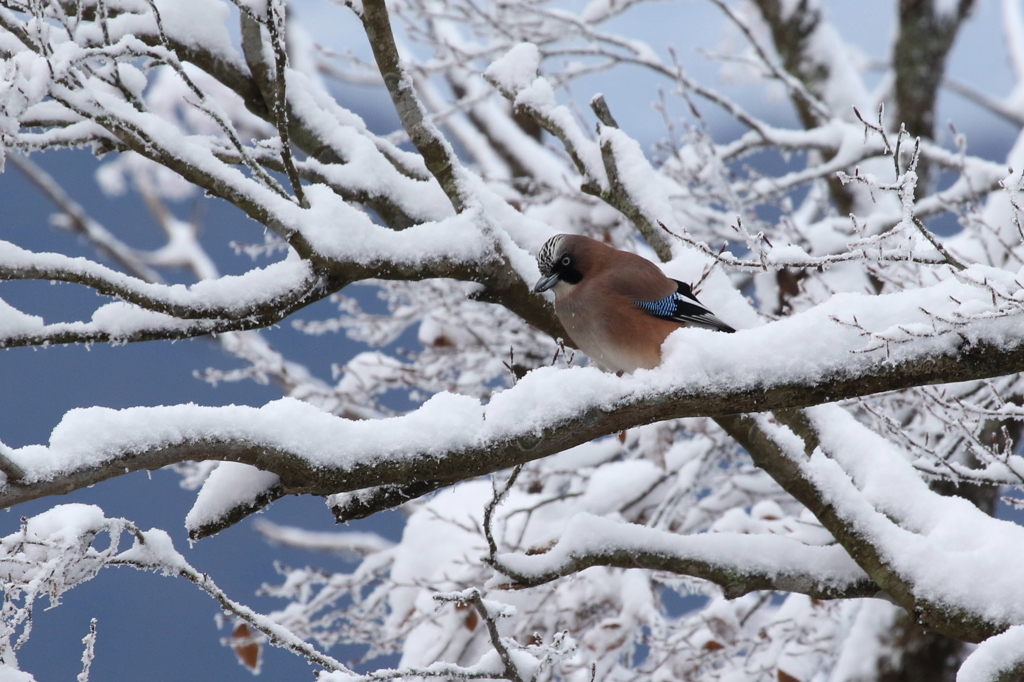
684 308
666 307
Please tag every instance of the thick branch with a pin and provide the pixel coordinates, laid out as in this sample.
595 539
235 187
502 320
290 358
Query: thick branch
848 523
437 153
926 35
365 503
500 285
768 454
532 420
793 30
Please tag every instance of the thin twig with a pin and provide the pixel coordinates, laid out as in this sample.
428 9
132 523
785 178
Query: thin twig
794 85
473 597
276 27
496 499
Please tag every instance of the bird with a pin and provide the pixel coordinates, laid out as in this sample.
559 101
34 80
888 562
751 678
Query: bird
616 306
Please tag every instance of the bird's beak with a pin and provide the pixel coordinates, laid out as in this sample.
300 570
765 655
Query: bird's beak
545 283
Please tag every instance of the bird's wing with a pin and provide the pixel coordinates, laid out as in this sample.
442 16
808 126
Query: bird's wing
684 308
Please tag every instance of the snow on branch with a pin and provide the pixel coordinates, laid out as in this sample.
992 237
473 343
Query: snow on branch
201 159
275 286
515 76
550 410
739 564
437 153
124 323
867 494
627 181
163 87
54 552
853 474
350 544
997 659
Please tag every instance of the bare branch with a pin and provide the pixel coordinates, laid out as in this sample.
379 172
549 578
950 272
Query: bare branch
276 28
993 105
473 596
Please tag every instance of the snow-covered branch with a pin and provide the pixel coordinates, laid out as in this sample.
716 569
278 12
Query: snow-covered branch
704 375
230 298
997 659
53 553
841 480
739 564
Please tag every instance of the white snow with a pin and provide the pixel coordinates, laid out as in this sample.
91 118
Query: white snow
593 535
696 361
929 540
994 656
9 673
229 486
234 293
598 497
13 322
517 69
349 543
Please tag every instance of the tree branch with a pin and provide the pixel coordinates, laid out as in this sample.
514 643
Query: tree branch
276 28
999 659
228 298
503 435
81 222
739 564
926 35
155 552
149 325
437 153
474 598
797 465
799 34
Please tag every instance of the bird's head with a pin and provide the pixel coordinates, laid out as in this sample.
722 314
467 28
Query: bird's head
561 259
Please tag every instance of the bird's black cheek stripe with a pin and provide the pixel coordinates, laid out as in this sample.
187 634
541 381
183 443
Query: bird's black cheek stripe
570 275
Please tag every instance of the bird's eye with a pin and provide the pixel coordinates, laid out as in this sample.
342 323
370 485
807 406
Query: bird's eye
566 260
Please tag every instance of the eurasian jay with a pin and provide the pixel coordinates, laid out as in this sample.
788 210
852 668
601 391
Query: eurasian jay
617 307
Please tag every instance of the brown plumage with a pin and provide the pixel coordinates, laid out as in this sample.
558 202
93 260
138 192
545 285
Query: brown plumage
617 307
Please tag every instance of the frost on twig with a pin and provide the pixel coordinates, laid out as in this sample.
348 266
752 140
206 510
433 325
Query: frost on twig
89 653
54 552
